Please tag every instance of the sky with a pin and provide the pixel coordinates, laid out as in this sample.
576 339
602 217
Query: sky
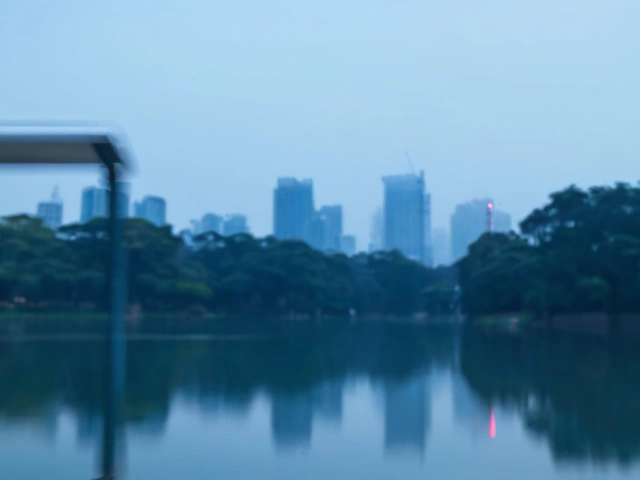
499 98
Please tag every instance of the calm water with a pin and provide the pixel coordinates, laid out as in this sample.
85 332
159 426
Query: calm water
340 402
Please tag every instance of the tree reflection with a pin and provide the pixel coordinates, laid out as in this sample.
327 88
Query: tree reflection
302 367
580 395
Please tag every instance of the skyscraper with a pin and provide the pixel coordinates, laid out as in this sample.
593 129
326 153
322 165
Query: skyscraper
428 245
501 222
94 204
441 247
123 199
325 230
332 217
376 241
404 215
469 222
210 223
293 209
317 231
153 209
51 212
348 245
235 224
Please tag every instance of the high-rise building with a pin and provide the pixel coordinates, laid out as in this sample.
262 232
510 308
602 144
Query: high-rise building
325 230
348 245
501 222
470 221
293 209
441 247
210 222
317 231
51 212
332 218
94 204
376 242
235 224
123 199
428 245
404 215
196 227
153 209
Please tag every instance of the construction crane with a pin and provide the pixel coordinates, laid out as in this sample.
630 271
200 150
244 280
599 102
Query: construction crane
406 154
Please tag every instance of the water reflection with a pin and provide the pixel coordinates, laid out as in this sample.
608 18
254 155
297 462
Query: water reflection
582 398
406 414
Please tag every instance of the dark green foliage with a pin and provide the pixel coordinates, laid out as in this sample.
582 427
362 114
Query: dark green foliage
238 274
580 252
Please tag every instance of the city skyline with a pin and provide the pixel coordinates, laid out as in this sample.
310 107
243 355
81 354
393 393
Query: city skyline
324 226
319 100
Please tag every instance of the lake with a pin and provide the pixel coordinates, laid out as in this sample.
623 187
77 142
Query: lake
338 400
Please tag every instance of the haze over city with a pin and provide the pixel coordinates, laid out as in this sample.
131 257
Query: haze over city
511 100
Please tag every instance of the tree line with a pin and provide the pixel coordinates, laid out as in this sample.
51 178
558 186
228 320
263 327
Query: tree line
239 274
578 253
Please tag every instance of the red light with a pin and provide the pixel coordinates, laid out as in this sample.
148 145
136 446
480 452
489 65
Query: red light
492 425
490 206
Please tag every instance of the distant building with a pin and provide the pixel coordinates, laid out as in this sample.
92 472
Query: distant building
332 217
211 222
376 242
325 230
348 245
94 203
317 231
153 209
235 224
501 222
428 247
293 209
441 247
470 221
404 215
196 227
123 199
51 212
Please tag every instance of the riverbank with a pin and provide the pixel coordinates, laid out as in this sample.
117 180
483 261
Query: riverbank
588 323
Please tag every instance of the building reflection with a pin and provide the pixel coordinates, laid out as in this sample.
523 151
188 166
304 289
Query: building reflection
292 419
88 429
585 411
327 401
469 411
406 415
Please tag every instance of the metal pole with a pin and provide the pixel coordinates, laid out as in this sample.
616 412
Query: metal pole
115 346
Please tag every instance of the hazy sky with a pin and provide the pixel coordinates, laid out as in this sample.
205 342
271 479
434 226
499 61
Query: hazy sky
510 99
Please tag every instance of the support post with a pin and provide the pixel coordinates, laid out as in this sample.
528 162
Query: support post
115 342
